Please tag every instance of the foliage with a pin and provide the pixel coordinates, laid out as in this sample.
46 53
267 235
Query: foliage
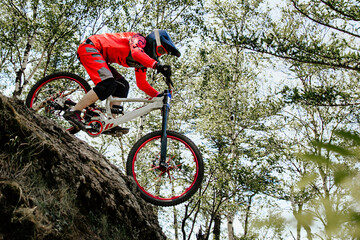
322 87
318 40
315 32
340 212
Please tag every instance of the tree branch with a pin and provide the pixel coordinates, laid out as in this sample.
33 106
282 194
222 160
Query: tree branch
322 23
331 6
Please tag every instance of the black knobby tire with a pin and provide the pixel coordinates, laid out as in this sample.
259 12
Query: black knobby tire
160 187
61 87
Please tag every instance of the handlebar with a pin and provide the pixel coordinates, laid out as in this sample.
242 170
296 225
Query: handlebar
169 82
167 76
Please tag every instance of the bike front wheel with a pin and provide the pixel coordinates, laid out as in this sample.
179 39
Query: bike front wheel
171 185
52 95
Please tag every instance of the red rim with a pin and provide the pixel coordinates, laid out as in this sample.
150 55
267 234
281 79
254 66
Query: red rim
52 79
174 197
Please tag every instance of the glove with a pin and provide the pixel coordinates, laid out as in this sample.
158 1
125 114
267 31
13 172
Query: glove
164 70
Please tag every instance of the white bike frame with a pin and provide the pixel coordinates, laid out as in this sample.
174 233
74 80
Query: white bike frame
107 120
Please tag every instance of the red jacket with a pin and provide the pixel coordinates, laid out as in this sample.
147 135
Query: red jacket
127 49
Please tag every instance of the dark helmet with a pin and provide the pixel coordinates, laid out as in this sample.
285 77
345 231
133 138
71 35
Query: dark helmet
158 42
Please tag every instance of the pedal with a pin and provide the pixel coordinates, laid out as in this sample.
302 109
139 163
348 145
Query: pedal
117 109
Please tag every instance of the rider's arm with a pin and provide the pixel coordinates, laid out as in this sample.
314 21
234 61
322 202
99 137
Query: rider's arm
140 74
137 44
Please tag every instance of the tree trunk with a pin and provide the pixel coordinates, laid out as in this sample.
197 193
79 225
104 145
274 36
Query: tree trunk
247 215
140 127
176 225
19 85
298 225
217 225
308 231
122 151
230 224
200 235
296 209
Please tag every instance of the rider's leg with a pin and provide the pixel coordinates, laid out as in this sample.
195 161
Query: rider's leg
98 70
122 87
86 101
101 91
121 91
100 74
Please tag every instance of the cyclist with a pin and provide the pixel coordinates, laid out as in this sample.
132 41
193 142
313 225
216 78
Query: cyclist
127 49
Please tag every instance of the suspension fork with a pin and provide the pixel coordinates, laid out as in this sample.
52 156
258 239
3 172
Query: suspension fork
165 113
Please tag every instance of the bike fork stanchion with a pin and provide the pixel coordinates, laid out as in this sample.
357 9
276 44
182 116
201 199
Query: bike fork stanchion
165 113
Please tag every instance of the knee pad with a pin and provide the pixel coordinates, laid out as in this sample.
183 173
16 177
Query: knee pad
122 88
105 88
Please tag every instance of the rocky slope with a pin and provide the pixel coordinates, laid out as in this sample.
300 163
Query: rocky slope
55 186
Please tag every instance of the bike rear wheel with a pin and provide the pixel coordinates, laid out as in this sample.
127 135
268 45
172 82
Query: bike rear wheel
52 95
170 186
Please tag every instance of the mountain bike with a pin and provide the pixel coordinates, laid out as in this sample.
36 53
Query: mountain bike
167 166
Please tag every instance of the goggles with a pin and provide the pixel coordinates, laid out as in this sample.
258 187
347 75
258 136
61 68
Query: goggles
160 50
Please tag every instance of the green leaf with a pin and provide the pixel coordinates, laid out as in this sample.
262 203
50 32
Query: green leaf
306 180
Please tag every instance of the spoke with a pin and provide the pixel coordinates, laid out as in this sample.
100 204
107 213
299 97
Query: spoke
171 158
169 175
162 173
175 167
153 168
41 104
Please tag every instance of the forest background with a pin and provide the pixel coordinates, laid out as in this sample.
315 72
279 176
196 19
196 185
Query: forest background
269 91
